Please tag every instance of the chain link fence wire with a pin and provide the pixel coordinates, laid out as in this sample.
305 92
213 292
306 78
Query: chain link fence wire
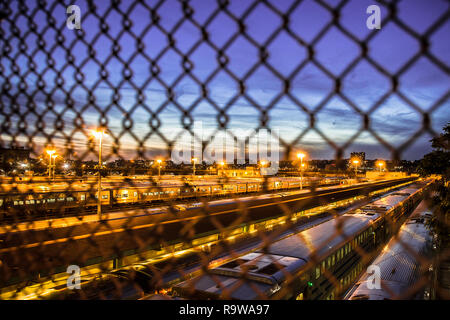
146 72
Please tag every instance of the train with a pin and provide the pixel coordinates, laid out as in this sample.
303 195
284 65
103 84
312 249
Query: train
138 192
324 267
140 279
401 266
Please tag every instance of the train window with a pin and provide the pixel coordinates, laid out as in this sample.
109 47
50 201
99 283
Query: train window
37 201
329 262
105 196
51 200
83 197
61 199
150 193
69 199
317 272
125 195
135 194
323 265
144 194
27 201
332 260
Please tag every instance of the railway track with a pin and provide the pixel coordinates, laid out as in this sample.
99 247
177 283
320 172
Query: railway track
56 248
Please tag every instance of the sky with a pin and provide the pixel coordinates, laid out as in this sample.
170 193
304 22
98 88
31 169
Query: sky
42 98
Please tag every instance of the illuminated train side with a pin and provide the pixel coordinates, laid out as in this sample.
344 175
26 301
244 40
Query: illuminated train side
400 269
140 193
137 280
287 271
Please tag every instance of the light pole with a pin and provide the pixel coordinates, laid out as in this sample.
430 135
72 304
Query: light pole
194 160
54 164
380 164
262 165
222 164
301 156
99 135
356 162
50 153
159 168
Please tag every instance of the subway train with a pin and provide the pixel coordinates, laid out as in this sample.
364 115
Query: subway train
140 279
401 267
323 268
117 195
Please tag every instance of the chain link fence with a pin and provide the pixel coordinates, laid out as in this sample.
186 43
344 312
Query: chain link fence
144 74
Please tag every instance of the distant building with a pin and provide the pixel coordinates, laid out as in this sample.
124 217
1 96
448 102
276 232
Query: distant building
244 173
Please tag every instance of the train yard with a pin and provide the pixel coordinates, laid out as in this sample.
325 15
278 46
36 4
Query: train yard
263 212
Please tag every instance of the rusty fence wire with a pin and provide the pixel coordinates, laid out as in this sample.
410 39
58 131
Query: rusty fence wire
146 73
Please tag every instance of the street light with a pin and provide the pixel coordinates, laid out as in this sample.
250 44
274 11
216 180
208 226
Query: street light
355 163
194 160
380 164
301 156
99 135
50 153
54 164
159 168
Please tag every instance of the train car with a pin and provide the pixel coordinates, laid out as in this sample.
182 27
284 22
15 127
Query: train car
216 190
241 188
253 187
335 255
400 268
229 188
202 190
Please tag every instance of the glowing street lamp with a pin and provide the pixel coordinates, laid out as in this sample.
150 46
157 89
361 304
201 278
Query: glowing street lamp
99 135
300 156
356 163
194 160
50 153
380 164
159 161
54 164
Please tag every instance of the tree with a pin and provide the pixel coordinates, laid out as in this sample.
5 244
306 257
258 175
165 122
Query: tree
438 160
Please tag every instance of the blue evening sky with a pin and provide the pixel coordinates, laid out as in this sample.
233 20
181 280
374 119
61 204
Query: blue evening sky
424 83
